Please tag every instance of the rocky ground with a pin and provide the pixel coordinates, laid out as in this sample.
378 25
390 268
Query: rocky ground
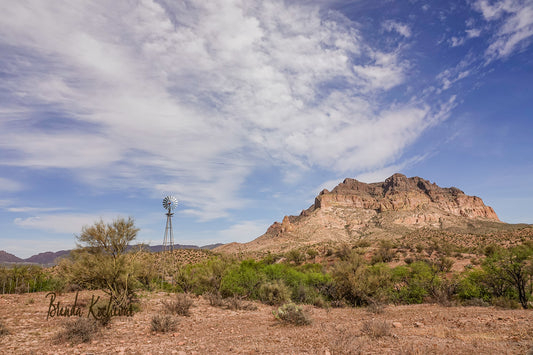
417 329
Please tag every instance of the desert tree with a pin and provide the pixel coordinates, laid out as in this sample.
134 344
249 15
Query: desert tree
102 261
512 268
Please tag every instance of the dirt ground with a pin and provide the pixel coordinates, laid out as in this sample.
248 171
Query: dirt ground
416 329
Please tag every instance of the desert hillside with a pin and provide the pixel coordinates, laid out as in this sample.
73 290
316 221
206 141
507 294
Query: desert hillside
355 211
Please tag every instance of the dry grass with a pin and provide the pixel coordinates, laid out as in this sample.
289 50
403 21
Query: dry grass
163 323
234 303
376 328
78 330
345 342
180 305
3 329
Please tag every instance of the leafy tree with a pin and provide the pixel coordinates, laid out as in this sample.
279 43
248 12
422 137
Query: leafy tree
101 261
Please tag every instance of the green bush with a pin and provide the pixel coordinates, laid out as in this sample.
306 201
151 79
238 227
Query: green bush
28 278
243 280
204 277
509 273
415 282
472 286
359 284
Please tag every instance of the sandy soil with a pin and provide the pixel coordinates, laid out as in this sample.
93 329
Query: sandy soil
417 329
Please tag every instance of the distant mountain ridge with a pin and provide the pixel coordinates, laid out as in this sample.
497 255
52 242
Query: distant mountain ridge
355 210
49 258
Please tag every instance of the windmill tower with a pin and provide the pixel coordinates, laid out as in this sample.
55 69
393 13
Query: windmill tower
169 203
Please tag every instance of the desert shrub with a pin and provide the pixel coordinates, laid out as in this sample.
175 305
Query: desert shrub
444 264
376 328
345 342
243 280
475 302
205 276
414 283
236 303
290 313
375 307
163 323
505 302
357 283
274 293
444 292
295 256
362 244
492 249
180 305
271 258
384 254
344 252
215 299
28 278
3 329
312 253
78 330
270 282
471 286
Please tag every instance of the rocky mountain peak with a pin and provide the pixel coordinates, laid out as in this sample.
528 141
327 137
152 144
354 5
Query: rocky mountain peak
354 209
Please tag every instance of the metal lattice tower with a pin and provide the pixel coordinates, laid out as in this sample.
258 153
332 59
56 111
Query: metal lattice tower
169 203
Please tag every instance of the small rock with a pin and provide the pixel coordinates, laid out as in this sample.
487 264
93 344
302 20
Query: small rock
419 324
397 325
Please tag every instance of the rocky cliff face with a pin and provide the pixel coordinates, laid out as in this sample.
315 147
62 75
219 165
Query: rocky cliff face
399 193
389 209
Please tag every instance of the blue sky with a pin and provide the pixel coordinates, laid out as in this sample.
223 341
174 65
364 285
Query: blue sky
245 110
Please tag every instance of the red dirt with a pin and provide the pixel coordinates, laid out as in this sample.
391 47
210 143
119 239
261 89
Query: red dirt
419 329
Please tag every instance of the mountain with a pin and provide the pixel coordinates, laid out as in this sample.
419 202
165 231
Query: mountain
49 258
5 257
354 210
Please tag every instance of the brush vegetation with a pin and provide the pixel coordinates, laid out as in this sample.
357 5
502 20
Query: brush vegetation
350 275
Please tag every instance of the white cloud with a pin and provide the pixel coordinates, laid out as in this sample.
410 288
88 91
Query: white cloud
456 41
515 26
473 33
401 28
244 231
62 223
32 247
191 96
34 209
8 185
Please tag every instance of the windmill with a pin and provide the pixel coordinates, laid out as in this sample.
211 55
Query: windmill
169 203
